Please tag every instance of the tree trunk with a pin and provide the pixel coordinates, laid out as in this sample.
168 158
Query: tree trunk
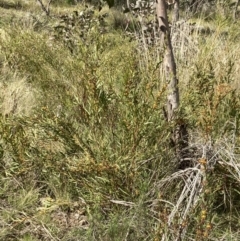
179 138
169 61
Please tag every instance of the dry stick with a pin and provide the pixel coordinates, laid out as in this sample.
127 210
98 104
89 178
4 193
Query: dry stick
235 10
180 136
45 9
48 6
194 5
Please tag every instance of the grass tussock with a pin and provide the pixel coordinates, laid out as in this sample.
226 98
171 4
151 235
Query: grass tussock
84 144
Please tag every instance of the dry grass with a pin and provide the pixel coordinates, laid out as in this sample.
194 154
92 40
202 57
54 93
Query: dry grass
18 97
84 144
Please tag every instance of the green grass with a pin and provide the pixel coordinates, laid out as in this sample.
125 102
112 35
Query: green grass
84 144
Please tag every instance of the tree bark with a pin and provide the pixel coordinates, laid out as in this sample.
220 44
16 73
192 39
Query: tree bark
179 138
169 61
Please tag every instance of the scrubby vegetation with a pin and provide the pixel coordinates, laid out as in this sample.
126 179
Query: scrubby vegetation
84 144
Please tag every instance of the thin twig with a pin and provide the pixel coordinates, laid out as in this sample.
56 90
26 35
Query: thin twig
236 9
124 203
47 8
48 232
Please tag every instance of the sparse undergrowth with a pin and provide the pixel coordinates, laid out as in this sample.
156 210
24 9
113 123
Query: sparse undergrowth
84 143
